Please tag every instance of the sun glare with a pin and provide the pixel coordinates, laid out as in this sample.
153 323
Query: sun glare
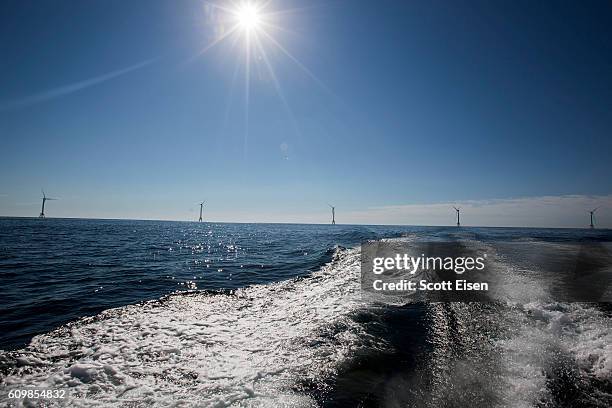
254 24
248 16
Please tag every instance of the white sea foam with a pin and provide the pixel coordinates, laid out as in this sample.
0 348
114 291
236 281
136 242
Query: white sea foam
257 346
251 348
540 335
534 337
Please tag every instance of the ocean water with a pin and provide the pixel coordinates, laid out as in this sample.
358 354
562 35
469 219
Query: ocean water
142 313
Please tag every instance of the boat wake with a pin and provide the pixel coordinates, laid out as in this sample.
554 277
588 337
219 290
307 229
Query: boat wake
314 341
252 346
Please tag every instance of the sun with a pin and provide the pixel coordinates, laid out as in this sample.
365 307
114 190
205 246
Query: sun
254 24
248 16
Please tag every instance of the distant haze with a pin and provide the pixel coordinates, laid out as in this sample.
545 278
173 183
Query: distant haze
560 211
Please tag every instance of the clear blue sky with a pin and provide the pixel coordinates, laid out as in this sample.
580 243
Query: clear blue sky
109 106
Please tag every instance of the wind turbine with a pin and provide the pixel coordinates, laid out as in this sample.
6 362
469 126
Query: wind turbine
458 210
201 205
593 212
333 214
44 200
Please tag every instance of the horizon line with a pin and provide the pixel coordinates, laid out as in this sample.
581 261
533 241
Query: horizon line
302 223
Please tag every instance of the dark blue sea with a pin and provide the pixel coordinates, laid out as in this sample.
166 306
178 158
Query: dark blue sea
146 313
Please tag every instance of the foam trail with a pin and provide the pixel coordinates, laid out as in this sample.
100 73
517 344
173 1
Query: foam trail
549 351
251 348
272 345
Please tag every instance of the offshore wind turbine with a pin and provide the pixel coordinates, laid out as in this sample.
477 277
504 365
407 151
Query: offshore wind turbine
201 205
44 200
333 214
593 212
458 211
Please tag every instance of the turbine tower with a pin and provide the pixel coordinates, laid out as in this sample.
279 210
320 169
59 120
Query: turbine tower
458 210
593 212
44 200
201 205
333 214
